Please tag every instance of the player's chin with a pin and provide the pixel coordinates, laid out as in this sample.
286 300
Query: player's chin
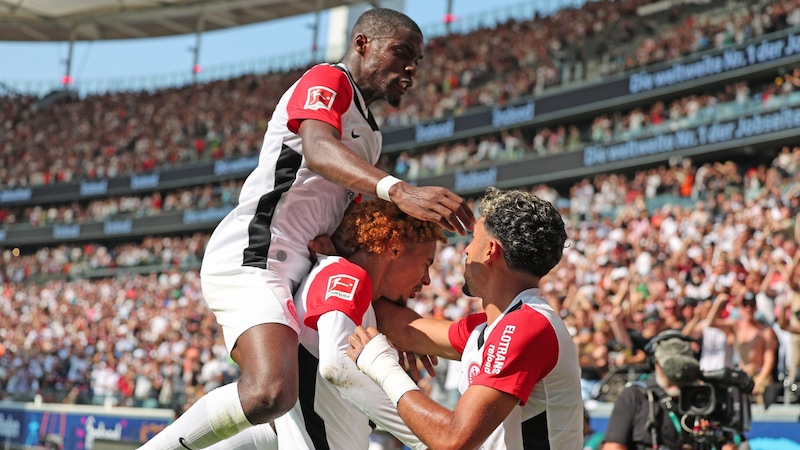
393 100
399 300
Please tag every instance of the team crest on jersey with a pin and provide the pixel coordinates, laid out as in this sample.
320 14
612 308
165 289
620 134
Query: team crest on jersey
342 286
473 371
320 97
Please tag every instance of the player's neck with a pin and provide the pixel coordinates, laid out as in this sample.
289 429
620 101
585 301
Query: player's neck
375 267
501 292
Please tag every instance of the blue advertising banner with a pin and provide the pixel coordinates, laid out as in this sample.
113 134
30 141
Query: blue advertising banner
77 427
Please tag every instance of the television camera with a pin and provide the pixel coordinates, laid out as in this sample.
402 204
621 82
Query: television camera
713 406
717 405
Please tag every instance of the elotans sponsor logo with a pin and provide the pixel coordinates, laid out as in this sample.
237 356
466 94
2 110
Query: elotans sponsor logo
320 97
496 354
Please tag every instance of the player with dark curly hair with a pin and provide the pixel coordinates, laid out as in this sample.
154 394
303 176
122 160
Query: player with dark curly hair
521 379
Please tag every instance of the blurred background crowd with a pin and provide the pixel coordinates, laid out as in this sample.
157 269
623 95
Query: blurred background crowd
123 321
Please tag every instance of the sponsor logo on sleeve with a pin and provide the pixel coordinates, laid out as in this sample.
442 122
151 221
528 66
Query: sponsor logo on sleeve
342 286
496 354
320 97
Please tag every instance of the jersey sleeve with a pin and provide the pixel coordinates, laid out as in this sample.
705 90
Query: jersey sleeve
518 353
341 286
459 331
323 93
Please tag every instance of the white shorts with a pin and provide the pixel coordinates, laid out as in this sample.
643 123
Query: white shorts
246 298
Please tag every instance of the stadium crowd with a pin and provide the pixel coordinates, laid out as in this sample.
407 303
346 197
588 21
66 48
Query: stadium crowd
147 339
724 103
112 134
126 323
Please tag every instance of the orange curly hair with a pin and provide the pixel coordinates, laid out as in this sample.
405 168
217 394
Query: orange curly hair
373 225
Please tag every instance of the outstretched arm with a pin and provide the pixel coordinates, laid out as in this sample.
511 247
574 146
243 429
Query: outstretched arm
783 320
329 157
412 332
479 411
336 367
713 314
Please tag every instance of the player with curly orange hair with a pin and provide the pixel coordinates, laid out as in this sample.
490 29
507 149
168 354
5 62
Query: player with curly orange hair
392 252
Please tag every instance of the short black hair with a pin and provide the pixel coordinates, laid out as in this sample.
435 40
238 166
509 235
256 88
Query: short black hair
377 21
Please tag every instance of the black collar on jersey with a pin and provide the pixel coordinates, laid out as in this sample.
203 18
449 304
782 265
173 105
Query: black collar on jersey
368 116
481 338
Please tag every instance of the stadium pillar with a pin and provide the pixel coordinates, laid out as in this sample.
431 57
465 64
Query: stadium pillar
448 16
201 23
66 81
315 38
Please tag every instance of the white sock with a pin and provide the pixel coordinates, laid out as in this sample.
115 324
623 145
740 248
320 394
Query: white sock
215 417
257 437
264 437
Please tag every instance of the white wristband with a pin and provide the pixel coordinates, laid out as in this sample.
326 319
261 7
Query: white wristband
379 361
382 188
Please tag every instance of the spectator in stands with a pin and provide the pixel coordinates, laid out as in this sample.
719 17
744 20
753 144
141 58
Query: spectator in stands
321 144
204 133
35 283
755 343
716 351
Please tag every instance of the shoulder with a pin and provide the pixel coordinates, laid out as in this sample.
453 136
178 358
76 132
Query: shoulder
634 393
338 264
338 276
532 321
329 76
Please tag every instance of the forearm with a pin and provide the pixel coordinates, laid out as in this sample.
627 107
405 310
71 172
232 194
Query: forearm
354 386
764 376
326 155
411 332
340 165
691 325
479 411
434 424
620 333
783 320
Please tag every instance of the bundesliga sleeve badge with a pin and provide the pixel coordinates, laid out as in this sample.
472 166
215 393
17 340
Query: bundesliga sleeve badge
319 97
342 287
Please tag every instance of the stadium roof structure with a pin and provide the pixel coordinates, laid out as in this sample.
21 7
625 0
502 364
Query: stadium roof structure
88 20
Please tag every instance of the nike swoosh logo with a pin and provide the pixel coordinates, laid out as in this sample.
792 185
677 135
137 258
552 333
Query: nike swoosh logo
354 135
182 441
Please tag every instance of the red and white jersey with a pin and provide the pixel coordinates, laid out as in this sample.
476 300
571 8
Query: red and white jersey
528 353
282 204
340 413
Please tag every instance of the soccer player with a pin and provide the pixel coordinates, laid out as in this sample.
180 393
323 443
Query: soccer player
521 380
319 152
391 260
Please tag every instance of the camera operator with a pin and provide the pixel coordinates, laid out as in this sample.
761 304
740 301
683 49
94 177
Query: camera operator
647 414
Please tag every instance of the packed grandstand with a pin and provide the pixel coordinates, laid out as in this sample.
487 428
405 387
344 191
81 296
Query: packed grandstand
668 141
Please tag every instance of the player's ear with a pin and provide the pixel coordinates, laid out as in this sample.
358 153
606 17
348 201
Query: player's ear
360 43
494 251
